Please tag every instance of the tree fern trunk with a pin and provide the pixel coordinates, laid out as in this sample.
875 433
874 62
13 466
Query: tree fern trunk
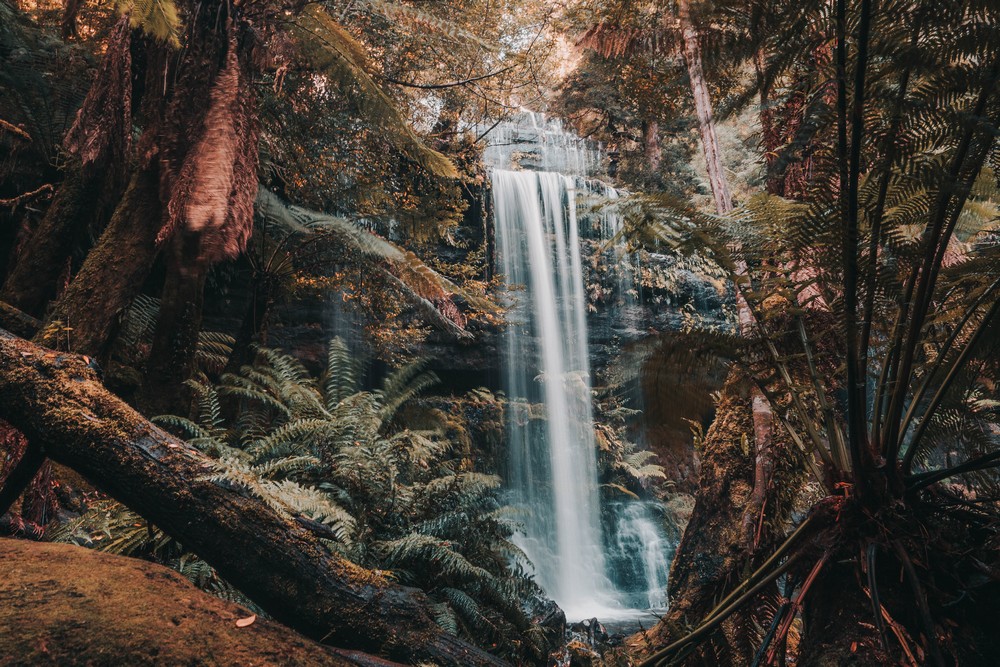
254 320
86 315
175 341
837 623
33 280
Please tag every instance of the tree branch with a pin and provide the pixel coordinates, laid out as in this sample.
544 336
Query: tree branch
440 86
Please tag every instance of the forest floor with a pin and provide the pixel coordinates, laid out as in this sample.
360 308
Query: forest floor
66 605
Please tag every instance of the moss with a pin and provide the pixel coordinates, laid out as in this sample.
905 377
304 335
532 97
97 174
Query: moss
65 605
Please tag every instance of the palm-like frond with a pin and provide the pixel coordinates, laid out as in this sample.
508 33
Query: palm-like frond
156 18
430 292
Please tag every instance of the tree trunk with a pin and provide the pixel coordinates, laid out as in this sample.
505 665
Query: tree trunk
254 319
17 322
703 108
837 622
86 315
20 476
56 399
651 144
32 282
726 529
743 469
175 341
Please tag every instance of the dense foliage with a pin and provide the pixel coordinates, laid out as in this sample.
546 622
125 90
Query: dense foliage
830 168
374 474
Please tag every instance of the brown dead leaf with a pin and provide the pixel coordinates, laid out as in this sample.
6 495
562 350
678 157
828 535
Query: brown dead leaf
244 622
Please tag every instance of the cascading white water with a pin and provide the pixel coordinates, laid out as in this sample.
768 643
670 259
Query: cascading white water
539 248
638 553
588 566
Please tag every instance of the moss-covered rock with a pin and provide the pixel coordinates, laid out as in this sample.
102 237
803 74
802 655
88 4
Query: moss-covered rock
66 605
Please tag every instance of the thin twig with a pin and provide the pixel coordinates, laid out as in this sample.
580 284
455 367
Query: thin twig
439 86
14 129
16 201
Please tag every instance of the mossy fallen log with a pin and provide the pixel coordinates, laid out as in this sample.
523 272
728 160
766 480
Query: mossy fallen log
17 322
57 399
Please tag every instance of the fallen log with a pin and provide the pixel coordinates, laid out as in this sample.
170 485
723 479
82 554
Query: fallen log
57 399
66 605
17 321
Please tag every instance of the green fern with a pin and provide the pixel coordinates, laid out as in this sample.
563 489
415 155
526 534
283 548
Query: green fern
156 18
379 470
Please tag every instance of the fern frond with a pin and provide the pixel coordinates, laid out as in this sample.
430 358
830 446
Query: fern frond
427 551
445 617
341 377
156 18
298 437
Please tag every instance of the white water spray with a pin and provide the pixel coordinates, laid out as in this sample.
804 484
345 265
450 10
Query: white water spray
538 247
553 468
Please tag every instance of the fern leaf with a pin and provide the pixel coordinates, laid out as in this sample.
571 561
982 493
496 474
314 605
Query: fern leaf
156 18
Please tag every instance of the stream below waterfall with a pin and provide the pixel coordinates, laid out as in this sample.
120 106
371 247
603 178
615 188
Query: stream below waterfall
594 559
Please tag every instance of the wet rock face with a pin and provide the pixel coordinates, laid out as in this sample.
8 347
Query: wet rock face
622 321
666 297
591 631
551 619
590 644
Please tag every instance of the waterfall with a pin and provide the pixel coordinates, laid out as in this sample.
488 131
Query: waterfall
639 555
539 248
589 566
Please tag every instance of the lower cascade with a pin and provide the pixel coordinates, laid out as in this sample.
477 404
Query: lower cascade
607 561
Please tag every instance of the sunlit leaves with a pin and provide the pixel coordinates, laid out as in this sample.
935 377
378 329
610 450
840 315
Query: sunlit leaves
156 18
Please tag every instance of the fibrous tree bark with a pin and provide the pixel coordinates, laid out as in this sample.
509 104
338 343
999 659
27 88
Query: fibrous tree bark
33 279
57 399
175 340
87 313
262 288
